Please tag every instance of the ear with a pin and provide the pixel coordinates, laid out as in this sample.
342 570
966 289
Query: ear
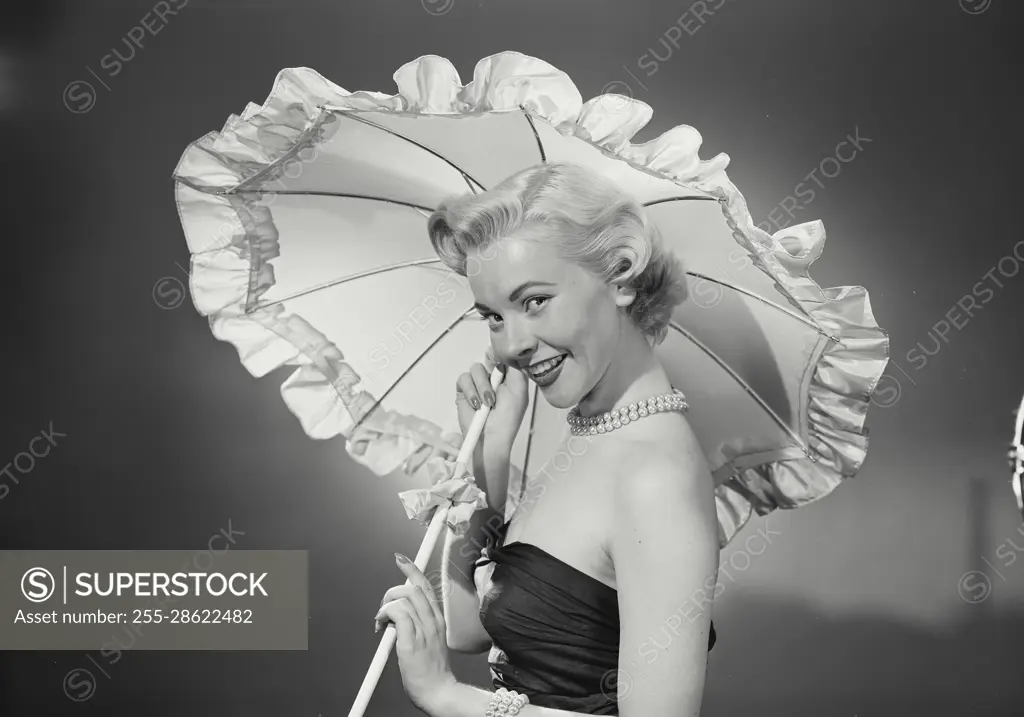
624 296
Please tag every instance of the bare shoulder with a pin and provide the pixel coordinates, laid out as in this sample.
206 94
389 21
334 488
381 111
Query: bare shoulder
671 459
664 495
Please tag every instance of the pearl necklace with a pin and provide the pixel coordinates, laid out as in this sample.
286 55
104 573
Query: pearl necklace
619 417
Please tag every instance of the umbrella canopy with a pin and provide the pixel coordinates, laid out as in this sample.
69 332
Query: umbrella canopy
306 221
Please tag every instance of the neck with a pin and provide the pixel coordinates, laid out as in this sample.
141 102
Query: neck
634 374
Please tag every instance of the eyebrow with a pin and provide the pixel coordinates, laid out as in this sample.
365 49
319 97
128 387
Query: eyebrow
516 293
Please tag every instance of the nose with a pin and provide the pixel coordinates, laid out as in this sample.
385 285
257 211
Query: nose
519 345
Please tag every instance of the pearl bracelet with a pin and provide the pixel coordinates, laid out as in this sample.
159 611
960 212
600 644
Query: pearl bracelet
505 702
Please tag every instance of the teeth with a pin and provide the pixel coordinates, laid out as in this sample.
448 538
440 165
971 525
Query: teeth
545 366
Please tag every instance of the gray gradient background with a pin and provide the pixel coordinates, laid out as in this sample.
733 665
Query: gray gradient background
854 609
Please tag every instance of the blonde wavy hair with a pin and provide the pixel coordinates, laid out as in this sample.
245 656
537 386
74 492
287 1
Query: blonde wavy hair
592 222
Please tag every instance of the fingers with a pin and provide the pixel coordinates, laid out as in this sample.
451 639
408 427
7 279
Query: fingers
402 614
482 381
390 596
413 593
418 591
426 620
423 597
466 387
435 607
394 593
473 389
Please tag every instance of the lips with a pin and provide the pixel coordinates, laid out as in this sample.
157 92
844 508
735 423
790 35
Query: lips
544 368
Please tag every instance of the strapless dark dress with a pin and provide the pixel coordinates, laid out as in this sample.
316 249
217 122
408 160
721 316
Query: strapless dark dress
555 629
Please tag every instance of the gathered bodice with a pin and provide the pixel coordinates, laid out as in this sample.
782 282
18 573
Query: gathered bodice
555 629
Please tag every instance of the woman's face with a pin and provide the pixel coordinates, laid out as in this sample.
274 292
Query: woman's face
541 307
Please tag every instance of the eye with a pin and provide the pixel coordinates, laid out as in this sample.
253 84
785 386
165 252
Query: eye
487 316
492 318
543 299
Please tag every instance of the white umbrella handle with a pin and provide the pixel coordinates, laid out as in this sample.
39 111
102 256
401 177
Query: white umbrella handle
387 641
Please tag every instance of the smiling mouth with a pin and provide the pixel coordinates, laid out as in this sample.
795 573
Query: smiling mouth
544 368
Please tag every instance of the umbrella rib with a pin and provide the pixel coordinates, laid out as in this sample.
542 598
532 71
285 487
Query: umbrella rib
377 402
346 195
469 183
743 384
231 191
679 199
352 277
540 145
457 168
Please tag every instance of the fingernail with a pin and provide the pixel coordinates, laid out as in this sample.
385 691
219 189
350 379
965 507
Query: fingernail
489 397
402 559
475 402
376 626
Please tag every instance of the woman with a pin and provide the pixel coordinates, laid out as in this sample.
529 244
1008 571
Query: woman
574 593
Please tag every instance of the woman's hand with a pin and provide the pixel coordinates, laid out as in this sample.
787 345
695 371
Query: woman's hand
503 422
508 406
422 637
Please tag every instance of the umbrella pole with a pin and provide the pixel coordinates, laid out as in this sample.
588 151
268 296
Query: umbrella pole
387 641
